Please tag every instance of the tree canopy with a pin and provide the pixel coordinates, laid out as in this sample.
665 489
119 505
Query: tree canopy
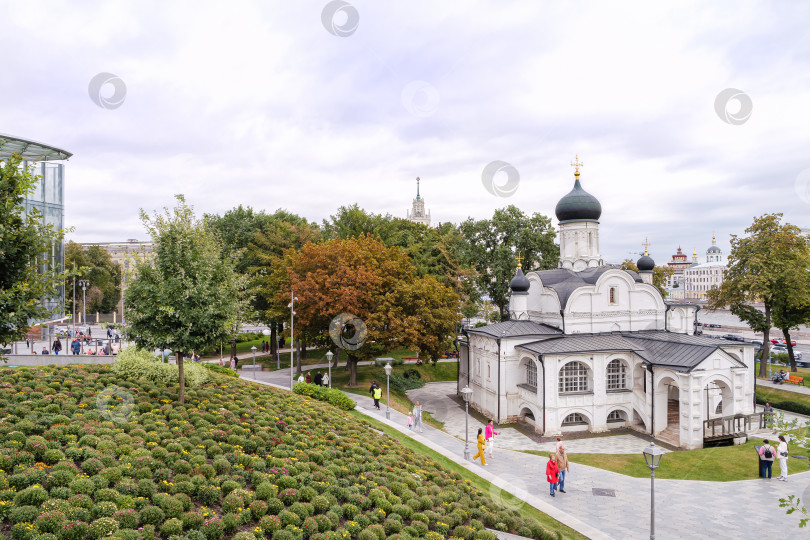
28 275
660 274
96 266
772 266
491 245
188 296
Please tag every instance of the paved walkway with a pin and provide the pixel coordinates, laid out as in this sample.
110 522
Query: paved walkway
602 504
787 387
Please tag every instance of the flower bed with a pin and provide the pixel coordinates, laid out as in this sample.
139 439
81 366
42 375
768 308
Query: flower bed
86 453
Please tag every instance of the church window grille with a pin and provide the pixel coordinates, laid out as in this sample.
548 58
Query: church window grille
616 375
613 295
574 378
531 373
573 419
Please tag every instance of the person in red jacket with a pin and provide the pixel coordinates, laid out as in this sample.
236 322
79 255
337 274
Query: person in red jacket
551 472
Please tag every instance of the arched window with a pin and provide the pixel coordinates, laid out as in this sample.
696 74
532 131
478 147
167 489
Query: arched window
616 416
574 377
574 419
613 295
531 373
616 375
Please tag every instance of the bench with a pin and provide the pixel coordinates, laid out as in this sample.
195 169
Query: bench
795 380
411 359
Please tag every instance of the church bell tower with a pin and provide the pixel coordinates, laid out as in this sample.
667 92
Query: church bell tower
578 213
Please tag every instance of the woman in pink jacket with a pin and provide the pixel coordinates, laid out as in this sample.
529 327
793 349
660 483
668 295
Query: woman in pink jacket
551 472
489 436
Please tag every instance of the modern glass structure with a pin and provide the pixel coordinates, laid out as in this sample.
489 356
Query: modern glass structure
48 197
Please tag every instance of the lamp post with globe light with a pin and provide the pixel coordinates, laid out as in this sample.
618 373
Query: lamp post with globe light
254 361
388 370
466 392
652 456
291 305
329 355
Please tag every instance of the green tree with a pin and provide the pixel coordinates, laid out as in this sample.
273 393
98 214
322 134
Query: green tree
492 244
772 266
660 275
96 266
27 276
187 297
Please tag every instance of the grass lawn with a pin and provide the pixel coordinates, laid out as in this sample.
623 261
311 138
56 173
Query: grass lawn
443 371
773 395
525 509
722 464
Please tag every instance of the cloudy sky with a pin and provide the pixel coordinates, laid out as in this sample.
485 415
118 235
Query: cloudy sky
310 105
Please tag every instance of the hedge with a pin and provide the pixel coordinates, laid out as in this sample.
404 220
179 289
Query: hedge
322 393
790 406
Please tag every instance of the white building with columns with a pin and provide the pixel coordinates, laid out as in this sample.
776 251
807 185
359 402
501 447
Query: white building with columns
594 347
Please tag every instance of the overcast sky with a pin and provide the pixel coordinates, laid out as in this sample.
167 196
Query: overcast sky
279 105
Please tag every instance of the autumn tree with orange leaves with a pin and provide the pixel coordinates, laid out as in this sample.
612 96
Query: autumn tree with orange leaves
378 284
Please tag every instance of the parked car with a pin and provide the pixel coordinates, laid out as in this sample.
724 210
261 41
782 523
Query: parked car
781 349
732 337
780 341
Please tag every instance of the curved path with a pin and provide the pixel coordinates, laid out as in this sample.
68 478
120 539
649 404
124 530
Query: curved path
684 509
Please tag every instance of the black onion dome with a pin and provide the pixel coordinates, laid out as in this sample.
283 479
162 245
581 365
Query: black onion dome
713 249
645 264
519 283
578 205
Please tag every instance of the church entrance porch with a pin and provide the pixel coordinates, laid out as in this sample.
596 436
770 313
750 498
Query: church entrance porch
668 412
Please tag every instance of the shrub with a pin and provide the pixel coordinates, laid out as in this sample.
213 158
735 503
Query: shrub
330 395
23 514
135 363
33 496
171 527
152 515
102 527
128 518
259 508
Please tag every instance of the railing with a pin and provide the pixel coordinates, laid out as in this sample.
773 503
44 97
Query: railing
733 425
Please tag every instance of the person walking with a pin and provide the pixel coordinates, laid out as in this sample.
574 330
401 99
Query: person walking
57 345
308 377
233 362
325 380
562 467
372 388
409 420
377 396
489 436
559 444
766 454
417 417
301 378
481 447
782 455
768 410
318 379
75 346
552 472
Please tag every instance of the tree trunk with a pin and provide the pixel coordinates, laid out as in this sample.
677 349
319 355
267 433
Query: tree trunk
766 343
303 348
352 371
273 340
297 346
786 333
233 348
335 361
182 377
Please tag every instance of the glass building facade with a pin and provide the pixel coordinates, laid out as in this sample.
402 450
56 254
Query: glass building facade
48 197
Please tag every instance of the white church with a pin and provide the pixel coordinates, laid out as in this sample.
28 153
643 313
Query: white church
594 347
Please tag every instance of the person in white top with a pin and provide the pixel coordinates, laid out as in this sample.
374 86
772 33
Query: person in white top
782 455
325 380
301 378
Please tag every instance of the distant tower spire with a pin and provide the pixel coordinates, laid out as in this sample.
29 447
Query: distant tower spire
417 189
418 214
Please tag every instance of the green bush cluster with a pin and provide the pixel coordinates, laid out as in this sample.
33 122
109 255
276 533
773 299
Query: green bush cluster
322 393
136 363
791 406
220 369
236 461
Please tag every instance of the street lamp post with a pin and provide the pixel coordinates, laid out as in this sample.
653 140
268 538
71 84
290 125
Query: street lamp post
329 355
291 305
83 283
652 455
466 392
254 361
388 370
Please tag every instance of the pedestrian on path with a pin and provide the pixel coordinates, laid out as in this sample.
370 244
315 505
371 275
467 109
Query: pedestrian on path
301 378
308 378
481 443
233 362
551 473
766 454
562 466
325 380
489 436
559 443
417 417
409 420
318 379
782 454
57 346
75 346
768 410
377 396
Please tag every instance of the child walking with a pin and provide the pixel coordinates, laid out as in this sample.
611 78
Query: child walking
551 472
409 421
481 444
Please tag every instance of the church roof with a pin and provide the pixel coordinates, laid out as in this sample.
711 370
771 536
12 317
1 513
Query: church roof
578 205
564 281
515 329
680 352
580 343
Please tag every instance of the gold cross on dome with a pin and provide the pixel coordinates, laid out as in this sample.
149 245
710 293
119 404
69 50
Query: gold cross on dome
519 258
646 244
577 164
